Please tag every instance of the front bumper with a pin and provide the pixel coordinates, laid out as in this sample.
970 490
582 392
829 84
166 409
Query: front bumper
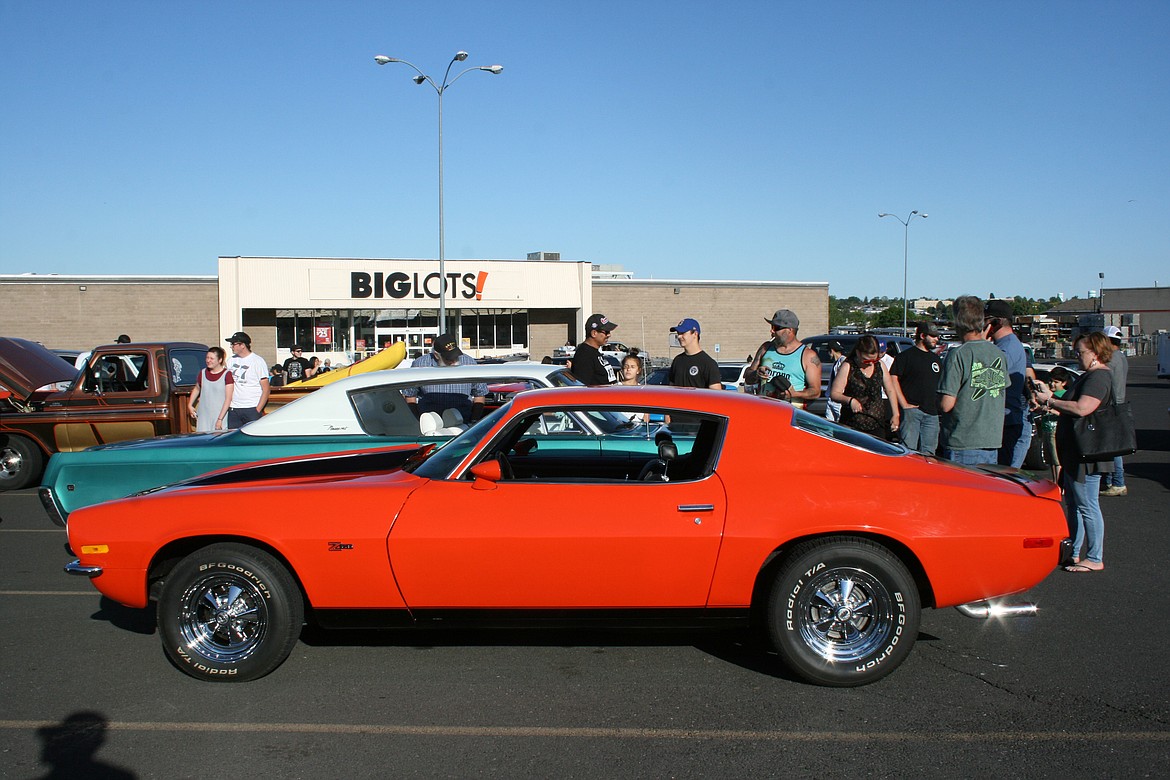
75 567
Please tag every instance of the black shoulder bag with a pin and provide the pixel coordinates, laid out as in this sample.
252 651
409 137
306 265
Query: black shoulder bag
1106 433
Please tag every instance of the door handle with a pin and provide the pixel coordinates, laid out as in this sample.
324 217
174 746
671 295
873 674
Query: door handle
696 507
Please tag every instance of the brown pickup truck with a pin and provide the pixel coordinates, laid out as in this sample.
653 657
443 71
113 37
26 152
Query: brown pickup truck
126 391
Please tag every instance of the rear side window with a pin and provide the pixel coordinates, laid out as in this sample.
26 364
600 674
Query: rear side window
184 365
831 430
382 411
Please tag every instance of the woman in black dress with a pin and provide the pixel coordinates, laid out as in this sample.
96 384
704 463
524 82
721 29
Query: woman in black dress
858 387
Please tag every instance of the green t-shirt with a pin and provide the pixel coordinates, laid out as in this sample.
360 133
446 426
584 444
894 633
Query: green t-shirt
976 375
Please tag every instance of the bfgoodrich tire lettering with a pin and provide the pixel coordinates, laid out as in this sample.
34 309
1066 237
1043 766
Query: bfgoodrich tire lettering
229 613
843 611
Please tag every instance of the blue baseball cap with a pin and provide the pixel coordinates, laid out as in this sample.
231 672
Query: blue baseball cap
686 326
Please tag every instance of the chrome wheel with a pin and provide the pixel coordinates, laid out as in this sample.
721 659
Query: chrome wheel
229 613
20 463
223 618
843 611
844 614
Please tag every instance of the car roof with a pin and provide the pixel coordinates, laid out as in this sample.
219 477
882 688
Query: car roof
328 408
620 396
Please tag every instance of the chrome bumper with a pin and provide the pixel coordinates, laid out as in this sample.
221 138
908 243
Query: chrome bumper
46 496
990 609
75 567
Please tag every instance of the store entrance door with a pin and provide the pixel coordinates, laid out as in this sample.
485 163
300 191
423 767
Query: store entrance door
418 340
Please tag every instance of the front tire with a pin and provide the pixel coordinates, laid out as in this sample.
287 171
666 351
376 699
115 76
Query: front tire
21 462
843 611
229 613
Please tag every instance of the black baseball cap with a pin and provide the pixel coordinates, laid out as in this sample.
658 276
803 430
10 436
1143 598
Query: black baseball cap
239 336
599 322
446 346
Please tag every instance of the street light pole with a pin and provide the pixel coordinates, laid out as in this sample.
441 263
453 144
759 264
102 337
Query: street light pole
905 255
420 79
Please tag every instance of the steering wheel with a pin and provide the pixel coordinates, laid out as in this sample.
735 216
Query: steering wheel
506 472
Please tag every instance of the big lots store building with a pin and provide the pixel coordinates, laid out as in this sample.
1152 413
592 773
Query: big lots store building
346 308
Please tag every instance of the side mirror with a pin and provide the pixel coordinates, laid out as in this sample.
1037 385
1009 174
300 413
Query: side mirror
486 474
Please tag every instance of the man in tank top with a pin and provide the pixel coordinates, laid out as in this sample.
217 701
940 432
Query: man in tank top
787 370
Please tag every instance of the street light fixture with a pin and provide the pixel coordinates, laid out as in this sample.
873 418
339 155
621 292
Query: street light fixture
460 56
905 255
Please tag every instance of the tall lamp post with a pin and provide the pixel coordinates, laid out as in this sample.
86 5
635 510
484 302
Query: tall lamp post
420 79
905 255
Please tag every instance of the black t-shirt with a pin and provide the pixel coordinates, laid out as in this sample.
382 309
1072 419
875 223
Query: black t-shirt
697 370
918 372
296 369
590 367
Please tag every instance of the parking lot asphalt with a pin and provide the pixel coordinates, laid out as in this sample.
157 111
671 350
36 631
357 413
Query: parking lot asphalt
1077 690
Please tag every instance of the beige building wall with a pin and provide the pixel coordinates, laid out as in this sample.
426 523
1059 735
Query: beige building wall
81 312
731 314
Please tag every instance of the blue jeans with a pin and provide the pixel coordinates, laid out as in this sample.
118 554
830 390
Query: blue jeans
239 417
1117 478
971 457
919 430
1016 440
1082 508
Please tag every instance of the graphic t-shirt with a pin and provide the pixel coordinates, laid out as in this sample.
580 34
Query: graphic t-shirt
247 373
976 375
697 370
775 365
295 369
591 368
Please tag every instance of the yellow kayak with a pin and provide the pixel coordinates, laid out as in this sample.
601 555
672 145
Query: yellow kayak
387 358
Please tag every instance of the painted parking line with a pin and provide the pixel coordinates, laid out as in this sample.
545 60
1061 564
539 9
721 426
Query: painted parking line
49 593
613 733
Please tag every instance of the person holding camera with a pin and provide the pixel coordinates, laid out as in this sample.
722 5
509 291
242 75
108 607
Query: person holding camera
858 387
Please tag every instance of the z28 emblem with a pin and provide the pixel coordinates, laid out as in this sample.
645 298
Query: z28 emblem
337 546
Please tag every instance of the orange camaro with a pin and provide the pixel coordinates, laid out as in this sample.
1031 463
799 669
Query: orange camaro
743 510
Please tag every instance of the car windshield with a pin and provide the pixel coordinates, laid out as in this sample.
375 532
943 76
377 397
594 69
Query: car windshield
831 430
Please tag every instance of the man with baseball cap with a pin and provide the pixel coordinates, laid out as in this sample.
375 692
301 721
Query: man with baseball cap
467 397
1017 428
915 376
250 379
589 365
786 369
694 367
1114 484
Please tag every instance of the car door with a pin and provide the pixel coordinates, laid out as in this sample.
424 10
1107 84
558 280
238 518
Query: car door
558 544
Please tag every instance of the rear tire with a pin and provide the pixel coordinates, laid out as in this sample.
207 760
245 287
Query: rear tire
21 463
843 611
229 613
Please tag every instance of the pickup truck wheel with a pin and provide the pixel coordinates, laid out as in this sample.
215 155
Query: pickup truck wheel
843 612
229 613
21 462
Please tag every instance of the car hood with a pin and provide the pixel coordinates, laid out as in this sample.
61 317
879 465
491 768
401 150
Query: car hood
26 365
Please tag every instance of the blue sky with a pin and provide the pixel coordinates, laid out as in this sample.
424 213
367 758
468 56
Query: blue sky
700 140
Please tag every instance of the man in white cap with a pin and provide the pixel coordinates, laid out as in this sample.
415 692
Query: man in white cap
1114 484
786 369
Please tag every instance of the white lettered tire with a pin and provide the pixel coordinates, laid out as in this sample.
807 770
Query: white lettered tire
229 613
843 611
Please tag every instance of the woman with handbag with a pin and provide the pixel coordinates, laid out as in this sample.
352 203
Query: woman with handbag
1080 479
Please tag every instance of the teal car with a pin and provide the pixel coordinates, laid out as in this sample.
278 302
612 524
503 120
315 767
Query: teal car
361 412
